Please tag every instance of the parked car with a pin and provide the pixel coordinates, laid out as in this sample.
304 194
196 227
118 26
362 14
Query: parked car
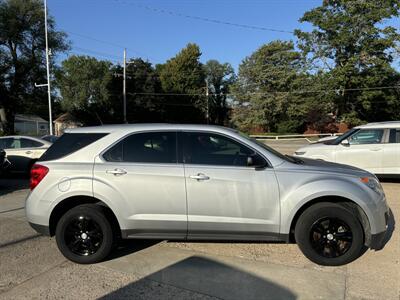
23 151
194 182
374 147
50 138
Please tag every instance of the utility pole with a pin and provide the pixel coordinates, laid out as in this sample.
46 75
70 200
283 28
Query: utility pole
48 69
124 87
208 104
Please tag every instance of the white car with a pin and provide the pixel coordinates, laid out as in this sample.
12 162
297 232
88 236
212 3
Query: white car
374 147
23 151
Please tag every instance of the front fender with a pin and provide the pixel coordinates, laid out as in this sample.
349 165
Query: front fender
293 201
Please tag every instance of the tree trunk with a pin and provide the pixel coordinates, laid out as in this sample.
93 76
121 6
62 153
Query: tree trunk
7 121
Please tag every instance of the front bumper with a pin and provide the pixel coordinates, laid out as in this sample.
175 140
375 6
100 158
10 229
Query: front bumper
378 240
42 229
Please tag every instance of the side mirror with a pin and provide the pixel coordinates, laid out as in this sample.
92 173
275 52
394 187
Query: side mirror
345 143
249 161
256 162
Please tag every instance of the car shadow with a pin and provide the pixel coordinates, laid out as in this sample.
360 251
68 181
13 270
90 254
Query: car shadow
11 182
201 276
129 246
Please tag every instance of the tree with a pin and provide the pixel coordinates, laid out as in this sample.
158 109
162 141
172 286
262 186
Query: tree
219 77
22 57
144 104
262 91
352 46
184 75
83 82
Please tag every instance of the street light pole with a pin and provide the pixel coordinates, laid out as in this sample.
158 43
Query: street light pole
48 68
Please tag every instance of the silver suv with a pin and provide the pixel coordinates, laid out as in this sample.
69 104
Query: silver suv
154 181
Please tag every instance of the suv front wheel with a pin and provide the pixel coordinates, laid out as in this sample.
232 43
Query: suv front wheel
329 234
84 234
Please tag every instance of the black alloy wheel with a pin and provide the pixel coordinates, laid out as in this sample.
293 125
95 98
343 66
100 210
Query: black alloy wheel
84 234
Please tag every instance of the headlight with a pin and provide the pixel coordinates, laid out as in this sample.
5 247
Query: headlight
299 152
372 183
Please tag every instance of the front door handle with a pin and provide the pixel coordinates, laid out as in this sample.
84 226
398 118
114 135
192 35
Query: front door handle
199 177
376 149
28 152
116 172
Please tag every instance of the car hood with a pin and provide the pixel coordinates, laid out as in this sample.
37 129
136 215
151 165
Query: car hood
313 147
313 165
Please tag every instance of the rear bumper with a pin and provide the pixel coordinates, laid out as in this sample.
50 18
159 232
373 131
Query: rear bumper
42 229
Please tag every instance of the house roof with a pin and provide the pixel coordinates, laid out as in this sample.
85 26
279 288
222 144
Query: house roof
66 117
29 118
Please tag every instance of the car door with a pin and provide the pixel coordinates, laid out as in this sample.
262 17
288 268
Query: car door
228 197
364 150
391 152
140 175
15 154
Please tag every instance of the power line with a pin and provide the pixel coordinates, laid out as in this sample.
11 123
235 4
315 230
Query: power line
205 19
112 44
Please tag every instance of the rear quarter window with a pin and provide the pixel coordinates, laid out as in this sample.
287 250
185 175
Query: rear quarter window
69 143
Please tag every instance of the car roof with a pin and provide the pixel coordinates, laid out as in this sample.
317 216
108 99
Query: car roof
147 127
26 137
379 125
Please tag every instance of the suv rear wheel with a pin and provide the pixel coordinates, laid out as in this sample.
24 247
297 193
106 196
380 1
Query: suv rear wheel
329 234
84 234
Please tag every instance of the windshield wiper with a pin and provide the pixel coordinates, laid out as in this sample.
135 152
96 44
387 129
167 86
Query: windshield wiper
295 159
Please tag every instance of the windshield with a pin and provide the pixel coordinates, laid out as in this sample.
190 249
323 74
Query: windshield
338 140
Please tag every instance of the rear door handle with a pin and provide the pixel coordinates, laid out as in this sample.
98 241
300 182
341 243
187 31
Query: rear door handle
28 152
199 177
376 149
116 172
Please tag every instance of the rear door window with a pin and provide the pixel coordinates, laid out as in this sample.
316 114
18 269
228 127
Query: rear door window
69 143
394 136
148 147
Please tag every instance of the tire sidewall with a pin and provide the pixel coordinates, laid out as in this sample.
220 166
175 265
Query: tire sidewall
330 210
95 213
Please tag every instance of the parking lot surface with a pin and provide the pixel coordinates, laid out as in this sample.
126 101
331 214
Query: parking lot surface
31 266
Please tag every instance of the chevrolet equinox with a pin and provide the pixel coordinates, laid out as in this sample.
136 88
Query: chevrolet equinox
96 185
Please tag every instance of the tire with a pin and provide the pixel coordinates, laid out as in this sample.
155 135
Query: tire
84 234
329 234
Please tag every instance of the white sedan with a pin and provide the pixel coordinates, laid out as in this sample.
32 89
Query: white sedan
23 151
374 147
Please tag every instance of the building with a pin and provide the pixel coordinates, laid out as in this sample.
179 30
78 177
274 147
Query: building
30 125
65 121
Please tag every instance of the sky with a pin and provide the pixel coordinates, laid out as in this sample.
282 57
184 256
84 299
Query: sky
154 30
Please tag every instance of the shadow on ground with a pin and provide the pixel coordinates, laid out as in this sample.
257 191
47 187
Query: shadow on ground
208 277
129 246
12 183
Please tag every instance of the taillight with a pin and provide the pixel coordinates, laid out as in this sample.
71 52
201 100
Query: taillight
38 172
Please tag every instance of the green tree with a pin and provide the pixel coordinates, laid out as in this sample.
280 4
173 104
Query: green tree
262 90
354 49
84 86
220 78
22 58
184 75
143 86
